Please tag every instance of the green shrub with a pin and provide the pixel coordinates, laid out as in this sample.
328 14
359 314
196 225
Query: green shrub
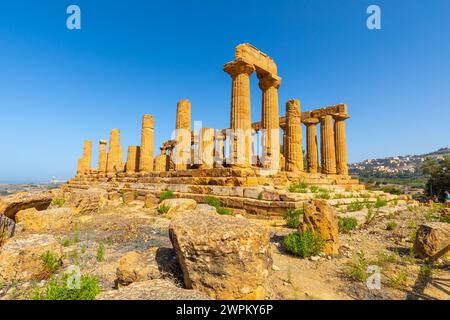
391 225
355 206
164 208
314 189
426 270
101 252
399 280
298 188
323 195
58 290
358 270
380 203
66 242
306 244
59 202
213 201
371 215
223 211
392 190
445 219
51 262
292 217
168 194
347 224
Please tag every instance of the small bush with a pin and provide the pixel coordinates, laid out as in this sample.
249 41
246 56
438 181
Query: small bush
101 252
164 208
371 215
292 217
347 224
213 201
323 195
358 271
391 225
66 243
355 206
426 270
51 262
399 280
392 190
445 219
306 244
59 202
168 194
223 211
298 188
380 203
314 189
59 290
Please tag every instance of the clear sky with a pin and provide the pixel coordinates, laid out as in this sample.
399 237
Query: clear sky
59 86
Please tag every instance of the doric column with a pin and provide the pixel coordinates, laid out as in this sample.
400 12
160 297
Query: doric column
240 121
206 148
182 152
341 143
312 154
269 85
133 156
102 157
147 144
293 138
327 147
162 161
84 163
219 149
114 163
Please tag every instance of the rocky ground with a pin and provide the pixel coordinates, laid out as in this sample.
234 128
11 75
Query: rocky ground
127 248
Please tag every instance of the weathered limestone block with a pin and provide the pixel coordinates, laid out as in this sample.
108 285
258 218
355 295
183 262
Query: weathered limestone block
341 144
269 84
293 137
7 227
115 154
46 220
162 162
223 256
432 240
322 218
20 257
129 197
10 205
150 201
146 158
102 157
182 151
87 201
133 157
178 205
251 55
241 141
327 145
137 267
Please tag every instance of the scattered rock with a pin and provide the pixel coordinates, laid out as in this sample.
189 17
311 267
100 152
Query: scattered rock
275 268
178 205
7 227
46 220
20 257
10 205
225 257
87 201
114 196
133 267
321 217
432 240
129 197
150 201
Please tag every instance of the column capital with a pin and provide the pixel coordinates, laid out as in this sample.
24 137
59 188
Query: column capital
235 68
103 142
268 80
310 121
293 107
341 116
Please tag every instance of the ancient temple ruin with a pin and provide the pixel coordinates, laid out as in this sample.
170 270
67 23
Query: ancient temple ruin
224 162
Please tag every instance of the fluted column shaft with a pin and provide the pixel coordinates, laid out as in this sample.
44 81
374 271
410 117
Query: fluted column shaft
312 154
102 157
270 120
293 137
146 158
341 144
240 121
207 148
133 156
182 152
84 163
115 154
219 150
327 143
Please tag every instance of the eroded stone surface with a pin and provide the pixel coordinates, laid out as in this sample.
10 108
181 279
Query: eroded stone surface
432 240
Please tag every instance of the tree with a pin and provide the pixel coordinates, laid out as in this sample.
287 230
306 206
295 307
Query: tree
438 172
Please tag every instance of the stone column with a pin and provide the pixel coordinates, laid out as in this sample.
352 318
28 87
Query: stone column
219 149
147 144
327 147
182 152
269 84
102 157
84 163
114 163
240 120
312 154
162 161
133 159
293 139
207 148
341 143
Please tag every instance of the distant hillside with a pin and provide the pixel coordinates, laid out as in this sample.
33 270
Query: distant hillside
397 168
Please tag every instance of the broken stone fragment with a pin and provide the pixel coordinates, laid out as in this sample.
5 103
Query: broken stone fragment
432 240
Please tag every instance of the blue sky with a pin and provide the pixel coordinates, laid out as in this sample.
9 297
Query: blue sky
59 87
